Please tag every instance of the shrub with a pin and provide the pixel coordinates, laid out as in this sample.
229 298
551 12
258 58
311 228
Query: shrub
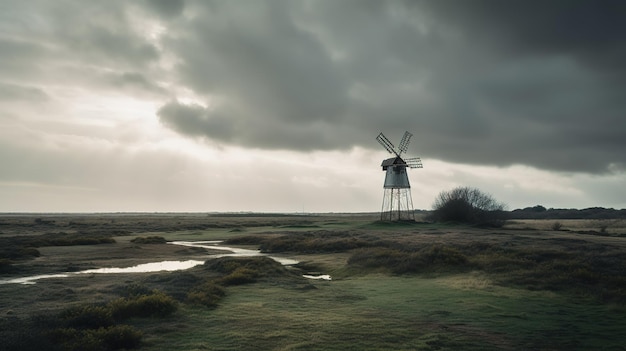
443 255
430 258
155 305
115 337
29 251
240 275
257 266
207 294
557 226
6 265
134 290
468 205
87 317
149 240
120 337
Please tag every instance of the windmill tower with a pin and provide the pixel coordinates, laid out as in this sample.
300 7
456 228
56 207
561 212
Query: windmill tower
397 201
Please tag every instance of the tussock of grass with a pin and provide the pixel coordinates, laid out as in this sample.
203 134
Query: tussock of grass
430 258
308 242
90 327
88 317
24 247
207 294
260 266
117 337
156 304
578 269
149 240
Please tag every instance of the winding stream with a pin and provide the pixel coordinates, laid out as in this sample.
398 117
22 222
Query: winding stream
166 265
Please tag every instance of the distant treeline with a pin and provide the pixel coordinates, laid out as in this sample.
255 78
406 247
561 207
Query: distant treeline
540 212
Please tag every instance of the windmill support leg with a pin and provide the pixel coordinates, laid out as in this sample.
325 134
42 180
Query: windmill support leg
397 205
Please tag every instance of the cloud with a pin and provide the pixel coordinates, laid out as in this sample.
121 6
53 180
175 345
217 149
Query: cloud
167 8
476 83
589 31
13 92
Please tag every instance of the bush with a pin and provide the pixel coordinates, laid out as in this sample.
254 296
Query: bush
116 337
260 266
87 317
120 337
429 258
241 275
149 240
468 205
207 294
155 305
6 265
29 251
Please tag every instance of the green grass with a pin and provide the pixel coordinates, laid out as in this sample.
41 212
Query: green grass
381 312
395 287
149 240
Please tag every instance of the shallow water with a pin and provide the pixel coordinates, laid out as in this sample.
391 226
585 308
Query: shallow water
234 251
163 265
318 277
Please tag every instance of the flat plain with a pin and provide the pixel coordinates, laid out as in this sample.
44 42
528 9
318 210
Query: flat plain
398 286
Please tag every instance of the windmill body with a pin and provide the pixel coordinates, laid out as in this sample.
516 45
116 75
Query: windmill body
397 200
395 176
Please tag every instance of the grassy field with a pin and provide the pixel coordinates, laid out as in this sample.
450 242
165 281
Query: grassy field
395 286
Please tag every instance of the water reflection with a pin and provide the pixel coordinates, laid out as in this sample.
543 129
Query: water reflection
159 266
148 267
318 277
234 251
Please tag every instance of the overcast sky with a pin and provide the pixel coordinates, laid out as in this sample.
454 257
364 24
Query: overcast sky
274 106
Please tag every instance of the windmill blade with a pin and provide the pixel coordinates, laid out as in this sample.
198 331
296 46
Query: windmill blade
404 143
382 139
414 162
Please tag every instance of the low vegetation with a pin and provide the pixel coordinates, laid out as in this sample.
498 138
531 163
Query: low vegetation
101 327
428 259
575 268
149 240
308 242
430 286
17 248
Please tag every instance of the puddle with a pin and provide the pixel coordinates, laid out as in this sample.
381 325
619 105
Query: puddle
32 279
166 265
234 251
318 277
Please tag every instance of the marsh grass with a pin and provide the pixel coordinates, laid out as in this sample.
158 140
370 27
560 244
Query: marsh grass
154 239
383 312
89 327
16 248
306 242
427 259
419 286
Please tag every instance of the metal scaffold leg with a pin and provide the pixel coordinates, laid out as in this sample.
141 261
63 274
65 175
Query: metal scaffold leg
397 205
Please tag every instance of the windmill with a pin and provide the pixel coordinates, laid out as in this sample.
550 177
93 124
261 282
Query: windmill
397 201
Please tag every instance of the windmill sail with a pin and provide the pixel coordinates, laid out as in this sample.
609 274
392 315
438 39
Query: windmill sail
382 139
404 143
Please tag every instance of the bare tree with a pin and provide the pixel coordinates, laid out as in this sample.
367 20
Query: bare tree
468 205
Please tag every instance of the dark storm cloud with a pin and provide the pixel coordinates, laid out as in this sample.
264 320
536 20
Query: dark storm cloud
220 125
50 42
484 82
537 83
591 31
